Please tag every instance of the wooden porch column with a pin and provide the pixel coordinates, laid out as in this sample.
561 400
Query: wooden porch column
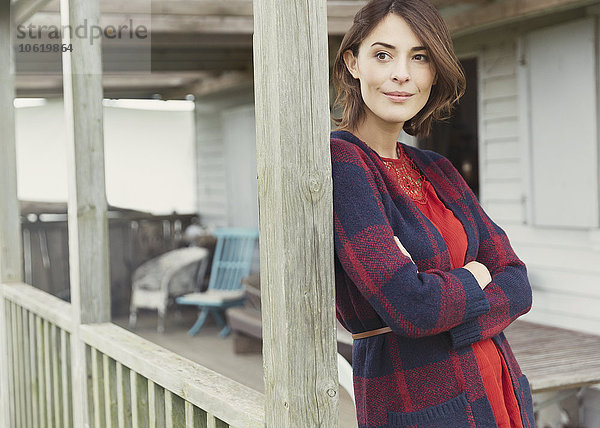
295 210
11 265
88 229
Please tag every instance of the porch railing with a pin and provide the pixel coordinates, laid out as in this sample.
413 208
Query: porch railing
38 330
131 381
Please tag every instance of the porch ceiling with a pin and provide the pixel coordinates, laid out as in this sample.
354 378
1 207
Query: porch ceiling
196 44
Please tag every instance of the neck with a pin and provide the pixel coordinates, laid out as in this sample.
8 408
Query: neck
380 136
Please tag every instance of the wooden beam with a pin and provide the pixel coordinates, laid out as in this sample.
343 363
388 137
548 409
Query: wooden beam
495 14
335 8
171 24
219 8
197 41
203 7
234 17
207 85
125 85
295 202
25 9
88 227
190 25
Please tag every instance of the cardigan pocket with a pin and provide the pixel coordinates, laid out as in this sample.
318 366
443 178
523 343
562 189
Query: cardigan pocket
452 413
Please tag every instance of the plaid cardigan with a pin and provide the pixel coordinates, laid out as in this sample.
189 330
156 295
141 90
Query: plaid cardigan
424 373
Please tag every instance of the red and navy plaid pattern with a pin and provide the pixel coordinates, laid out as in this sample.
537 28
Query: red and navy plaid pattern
424 374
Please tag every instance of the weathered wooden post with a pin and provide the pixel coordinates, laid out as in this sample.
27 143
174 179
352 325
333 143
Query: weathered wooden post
295 200
10 228
88 228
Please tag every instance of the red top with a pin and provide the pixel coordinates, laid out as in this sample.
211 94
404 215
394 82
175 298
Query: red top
492 366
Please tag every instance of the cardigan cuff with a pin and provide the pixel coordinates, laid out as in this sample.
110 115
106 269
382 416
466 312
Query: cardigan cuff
465 334
476 300
469 331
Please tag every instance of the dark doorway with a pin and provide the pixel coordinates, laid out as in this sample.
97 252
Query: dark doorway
456 138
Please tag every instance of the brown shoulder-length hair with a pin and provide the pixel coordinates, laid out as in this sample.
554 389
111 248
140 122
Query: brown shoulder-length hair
427 24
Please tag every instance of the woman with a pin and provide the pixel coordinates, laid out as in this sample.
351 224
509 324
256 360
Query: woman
425 281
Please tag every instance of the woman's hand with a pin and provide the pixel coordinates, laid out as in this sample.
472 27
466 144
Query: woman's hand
480 272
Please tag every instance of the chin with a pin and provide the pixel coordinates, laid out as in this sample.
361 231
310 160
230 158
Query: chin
403 115
398 119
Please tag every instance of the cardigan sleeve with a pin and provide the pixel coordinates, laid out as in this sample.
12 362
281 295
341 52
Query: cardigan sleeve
509 293
413 304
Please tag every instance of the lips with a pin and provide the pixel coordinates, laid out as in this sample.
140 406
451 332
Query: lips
398 96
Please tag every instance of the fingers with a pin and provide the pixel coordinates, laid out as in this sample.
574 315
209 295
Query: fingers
480 272
404 250
398 243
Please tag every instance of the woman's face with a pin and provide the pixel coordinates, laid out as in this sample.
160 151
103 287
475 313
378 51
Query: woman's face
394 70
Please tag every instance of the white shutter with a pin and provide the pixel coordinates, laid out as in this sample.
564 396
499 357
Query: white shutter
563 85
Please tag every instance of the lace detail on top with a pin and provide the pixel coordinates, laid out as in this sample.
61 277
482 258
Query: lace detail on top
407 175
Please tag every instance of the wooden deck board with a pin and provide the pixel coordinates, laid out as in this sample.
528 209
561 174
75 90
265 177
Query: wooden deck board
555 358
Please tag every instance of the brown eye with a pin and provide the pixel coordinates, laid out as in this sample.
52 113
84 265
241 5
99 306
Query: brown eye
382 56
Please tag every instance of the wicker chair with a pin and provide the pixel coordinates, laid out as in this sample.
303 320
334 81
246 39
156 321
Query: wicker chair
160 280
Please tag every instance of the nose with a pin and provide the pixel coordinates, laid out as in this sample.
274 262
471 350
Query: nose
400 72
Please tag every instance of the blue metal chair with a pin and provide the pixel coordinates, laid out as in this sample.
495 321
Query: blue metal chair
231 262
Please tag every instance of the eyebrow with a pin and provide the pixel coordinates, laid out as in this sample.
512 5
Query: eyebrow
413 49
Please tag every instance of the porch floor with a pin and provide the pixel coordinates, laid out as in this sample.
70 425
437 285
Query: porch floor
215 353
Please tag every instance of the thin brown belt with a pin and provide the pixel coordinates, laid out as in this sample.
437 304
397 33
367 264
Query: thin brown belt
370 333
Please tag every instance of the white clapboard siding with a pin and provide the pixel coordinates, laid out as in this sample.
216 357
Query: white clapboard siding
502 127
508 189
214 186
496 86
560 281
499 106
214 165
563 263
580 259
564 273
563 310
569 304
501 149
569 321
240 149
561 237
500 164
502 169
508 211
211 168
